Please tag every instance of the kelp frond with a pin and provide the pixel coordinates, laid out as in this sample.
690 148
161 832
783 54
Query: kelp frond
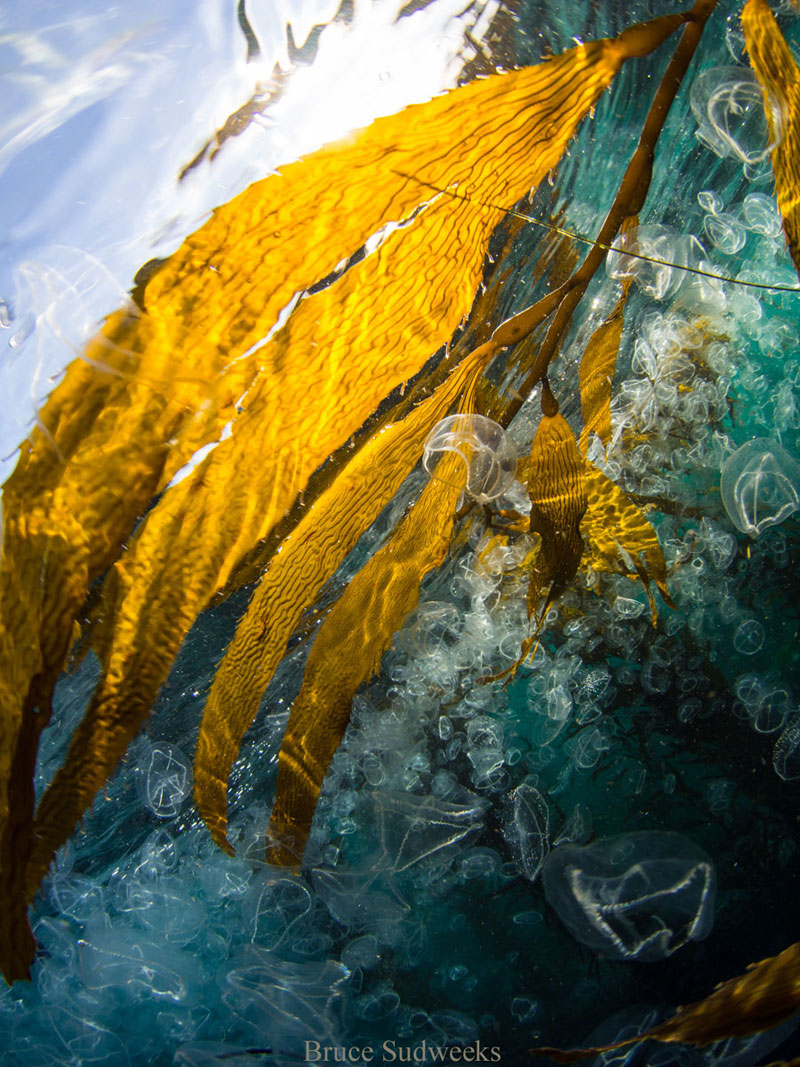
273 333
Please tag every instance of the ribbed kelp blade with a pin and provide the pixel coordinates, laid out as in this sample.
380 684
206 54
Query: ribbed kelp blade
322 374
557 490
764 996
779 77
619 538
305 560
347 651
596 374
121 420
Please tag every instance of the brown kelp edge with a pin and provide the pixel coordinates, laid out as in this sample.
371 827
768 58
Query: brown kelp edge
764 996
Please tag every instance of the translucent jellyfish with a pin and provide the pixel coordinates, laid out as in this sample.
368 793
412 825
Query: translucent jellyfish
361 952
751 690
638 896
759 486
710 201
590 746
725 232
163 778
749 637
772 712
487 450
728 105
658 242
293 1002
760 214
526 828
786 754
626 608
485 748
424 829
433 629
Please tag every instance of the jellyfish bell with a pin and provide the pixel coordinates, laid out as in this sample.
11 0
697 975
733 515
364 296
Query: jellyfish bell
728 105
759 486
487 450
637 897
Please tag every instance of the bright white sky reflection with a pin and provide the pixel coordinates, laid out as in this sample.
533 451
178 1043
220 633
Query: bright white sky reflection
103 106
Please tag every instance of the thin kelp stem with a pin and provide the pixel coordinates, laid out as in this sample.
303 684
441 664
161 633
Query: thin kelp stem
583 239
628 202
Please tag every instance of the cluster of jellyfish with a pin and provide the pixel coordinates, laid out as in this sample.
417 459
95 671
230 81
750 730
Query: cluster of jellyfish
477 841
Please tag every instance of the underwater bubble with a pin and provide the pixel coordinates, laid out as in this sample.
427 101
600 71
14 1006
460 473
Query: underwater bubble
786 754
725 232
487 450
526 829
728 105
638 896
163 778
760 214
749 637
758 486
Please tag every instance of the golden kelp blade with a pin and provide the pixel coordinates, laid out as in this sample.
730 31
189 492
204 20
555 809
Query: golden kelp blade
304 562
619 537
557 490
766 994
596 375
340 352
91 466
779 76
347 651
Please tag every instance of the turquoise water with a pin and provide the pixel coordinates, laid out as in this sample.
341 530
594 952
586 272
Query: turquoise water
470 837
